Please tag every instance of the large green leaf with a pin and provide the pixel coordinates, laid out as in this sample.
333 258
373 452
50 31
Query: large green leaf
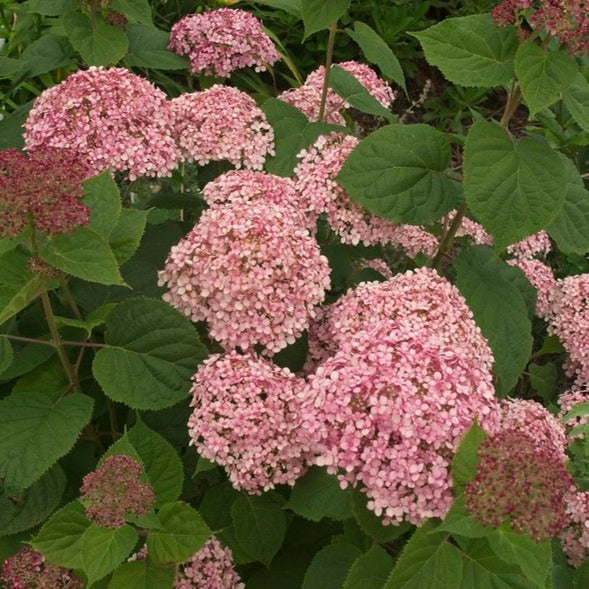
543 75
103 549
152 352
292 133
43 55
36 429
101 44
127 234
6 354
319 14
260 525
458 521
576 99
356 95
370 570
52 7
500 311
291 6
570 229
143 574
378 52
183 533
101 195
85 254
317 495
471 50
397 173
18 514
135 10
466 459
330 567
11 127
515 188
148 48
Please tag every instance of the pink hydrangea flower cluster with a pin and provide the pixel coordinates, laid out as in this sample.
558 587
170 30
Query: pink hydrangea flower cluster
536 245
388 410
469 228
570 322
114 492
542 279
575 540
247 418
222 123
307 97
429 299
43 190
377 264
28 569
221 41
254 273
568 400
315 179
519 480
112 118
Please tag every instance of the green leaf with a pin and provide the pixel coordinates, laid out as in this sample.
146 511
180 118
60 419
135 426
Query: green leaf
143 574
85 254
427 562
60 538
260 525
500 311
319 14
135 10
103 549
152 352
370 570
93 319
543 75
11 127
397 173
371 525
52 7
579 410
36 429
43 55
101 195
459 521
576 99
101 44
184 533
378 52
6 354
534 558
18 514
471 50
9 66
356 95
513 187
291 6
466 459
570 228
127 234
317 495
160 461
543 379
329 568
292 133
148 48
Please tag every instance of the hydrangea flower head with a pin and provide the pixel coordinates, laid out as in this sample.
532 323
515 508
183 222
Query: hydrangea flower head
387 412
252 271
43 190
575 540
112 118
536 245
542 279
28 569
221 41
308 100
568 400
114 491
222 123
247 419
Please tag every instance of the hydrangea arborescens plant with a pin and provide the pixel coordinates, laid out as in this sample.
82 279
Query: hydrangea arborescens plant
292 298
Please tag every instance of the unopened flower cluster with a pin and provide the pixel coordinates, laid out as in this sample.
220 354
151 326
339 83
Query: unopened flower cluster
254 273
247 418
114 492
28 569
112 118
222 123
221 41
44 190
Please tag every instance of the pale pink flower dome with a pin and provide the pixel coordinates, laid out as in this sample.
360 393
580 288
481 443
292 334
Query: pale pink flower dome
247 418
112 118
252 271
222 123
536 245
570 322
308 100
388 410
223 40
422 297
542 279
315 179
414 240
